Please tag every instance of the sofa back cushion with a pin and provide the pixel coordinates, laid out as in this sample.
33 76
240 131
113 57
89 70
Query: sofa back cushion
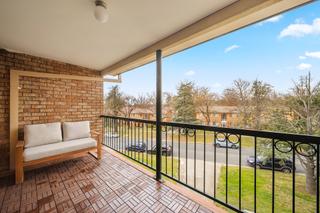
40 134
76 130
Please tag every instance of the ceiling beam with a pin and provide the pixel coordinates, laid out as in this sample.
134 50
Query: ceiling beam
228 19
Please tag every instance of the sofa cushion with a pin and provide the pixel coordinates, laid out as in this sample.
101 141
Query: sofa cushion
40 134
76 130
48 150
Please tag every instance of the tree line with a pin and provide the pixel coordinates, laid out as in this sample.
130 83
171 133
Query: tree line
259 107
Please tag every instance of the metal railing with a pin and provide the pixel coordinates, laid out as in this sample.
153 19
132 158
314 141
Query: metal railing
219 162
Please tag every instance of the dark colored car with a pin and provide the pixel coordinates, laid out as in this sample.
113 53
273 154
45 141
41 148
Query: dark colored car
283 165
138 147
166 150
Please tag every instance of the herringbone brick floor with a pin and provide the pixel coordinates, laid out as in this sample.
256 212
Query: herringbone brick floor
88 185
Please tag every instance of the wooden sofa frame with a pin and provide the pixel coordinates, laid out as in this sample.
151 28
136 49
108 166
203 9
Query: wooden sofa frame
20 164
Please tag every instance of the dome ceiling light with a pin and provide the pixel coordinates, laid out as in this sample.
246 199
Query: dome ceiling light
100 11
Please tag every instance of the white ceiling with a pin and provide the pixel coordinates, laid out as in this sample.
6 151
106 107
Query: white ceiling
66 30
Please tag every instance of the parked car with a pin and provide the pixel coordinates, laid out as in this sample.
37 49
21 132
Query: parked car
166 150
138 147
224 143
280 164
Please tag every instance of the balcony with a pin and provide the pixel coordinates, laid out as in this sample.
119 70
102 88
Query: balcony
226 169
55 57
86 185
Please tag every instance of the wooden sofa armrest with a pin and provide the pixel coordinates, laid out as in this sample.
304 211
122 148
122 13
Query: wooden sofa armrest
19 162
97 135
20 144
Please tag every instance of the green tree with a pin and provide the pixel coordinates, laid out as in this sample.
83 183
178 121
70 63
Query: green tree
259 101
185 110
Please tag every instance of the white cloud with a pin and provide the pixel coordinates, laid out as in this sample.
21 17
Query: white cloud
304 66
232 47
273 19
301 57
216 85
300 29
313 54
190 73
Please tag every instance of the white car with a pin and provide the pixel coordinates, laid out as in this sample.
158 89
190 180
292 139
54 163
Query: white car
224 144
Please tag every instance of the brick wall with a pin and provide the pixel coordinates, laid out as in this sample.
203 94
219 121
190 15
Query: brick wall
43 100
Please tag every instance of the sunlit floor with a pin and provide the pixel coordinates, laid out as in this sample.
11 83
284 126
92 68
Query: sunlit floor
88 185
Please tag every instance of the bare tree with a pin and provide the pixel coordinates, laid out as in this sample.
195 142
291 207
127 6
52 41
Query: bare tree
229 98
204 100
242 92
129 105
168 106
304 103
303 118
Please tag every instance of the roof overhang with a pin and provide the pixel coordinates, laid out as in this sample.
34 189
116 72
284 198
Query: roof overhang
235 16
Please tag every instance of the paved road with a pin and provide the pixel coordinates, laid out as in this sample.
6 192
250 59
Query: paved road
208 149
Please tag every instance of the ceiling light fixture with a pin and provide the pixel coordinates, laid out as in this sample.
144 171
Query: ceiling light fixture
100 11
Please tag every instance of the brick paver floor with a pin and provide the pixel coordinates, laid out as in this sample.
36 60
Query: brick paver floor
88 185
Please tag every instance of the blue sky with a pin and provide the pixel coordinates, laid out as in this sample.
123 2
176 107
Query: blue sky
277 51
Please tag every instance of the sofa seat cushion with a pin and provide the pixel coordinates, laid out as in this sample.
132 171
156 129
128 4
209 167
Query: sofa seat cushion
48 150
40 134
76 130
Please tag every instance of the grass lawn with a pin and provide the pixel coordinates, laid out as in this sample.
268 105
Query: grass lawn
143 134
283 190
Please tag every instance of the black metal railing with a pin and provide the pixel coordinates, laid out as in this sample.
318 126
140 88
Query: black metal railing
224 164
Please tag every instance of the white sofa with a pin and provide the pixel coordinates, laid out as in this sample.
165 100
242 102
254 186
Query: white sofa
44 143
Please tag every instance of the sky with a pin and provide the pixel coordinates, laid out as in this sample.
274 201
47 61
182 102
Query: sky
277 51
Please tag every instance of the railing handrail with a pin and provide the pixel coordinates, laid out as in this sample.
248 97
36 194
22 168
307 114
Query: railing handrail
235 131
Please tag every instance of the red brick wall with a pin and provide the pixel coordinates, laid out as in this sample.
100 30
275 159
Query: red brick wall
43 100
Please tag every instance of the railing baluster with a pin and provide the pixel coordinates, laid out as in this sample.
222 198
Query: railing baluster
131 138
172 151
179 130
293 177
121 130
128 136
255 174
240 170
204 161
107 132
195 159
151 146
143 153
166 148
139 153
147 140
273 174
112 133
227 164
135 140
186 156
215 164
318 172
